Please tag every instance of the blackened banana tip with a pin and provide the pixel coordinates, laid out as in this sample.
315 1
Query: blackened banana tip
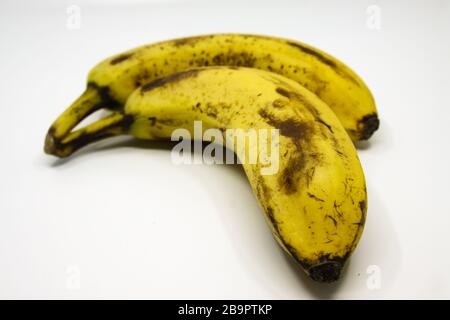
326 272
52 147
370 124
50 144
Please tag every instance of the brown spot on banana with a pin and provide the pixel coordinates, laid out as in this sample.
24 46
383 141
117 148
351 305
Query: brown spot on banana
283 92
270 215
294 168
304 156
291 128
189 40
241 58
121 58
173 78
314 53
312 196
278 103
363 208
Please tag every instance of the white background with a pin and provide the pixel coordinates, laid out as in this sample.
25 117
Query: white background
119 220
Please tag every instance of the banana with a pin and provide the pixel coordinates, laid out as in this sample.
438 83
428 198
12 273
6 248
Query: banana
315 203
113 80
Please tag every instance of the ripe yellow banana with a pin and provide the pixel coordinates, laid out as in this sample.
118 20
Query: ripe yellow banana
113 80
315 203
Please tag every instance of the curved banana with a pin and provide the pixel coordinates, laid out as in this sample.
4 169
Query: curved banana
113 80
315 203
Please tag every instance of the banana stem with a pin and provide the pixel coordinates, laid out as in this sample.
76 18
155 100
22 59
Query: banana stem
115 124
89 102
61 141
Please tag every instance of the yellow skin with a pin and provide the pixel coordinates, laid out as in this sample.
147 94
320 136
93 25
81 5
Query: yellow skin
112 81
316 202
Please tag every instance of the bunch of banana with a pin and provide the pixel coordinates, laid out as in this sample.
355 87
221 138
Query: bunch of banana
316 202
